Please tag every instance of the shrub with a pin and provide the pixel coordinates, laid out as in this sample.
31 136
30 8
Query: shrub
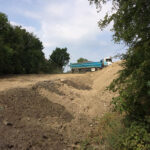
136 137
115 133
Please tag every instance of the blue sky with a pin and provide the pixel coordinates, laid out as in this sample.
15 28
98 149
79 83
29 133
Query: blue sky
64 23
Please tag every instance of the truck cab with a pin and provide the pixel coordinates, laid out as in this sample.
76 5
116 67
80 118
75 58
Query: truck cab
106 61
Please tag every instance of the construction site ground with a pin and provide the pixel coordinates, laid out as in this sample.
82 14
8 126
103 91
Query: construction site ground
52 112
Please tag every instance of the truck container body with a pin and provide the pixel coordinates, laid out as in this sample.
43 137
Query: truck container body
86 65
90 66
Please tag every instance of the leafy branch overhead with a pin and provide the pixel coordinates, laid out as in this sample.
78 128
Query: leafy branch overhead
130 19
131 25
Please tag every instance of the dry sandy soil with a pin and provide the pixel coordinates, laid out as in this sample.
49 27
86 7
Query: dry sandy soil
52 112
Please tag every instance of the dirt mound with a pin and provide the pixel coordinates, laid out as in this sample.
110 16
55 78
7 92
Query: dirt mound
24 115
103 78
53 111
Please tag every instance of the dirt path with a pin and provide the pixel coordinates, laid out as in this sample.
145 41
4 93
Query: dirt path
52 112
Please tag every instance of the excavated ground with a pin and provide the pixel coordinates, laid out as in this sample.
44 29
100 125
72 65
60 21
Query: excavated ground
52 112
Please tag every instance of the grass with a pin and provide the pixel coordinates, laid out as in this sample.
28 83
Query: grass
105 134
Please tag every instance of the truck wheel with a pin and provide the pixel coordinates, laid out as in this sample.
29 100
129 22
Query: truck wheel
72 70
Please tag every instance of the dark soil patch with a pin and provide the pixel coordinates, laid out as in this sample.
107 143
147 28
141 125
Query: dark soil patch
78 84
49 85
16 134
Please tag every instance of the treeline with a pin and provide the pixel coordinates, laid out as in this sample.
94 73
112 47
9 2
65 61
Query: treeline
21 52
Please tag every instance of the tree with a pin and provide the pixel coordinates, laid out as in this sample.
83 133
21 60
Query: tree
81 60
59 58
131 24
20 51
6 52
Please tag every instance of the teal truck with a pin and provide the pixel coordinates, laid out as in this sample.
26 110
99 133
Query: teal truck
90 66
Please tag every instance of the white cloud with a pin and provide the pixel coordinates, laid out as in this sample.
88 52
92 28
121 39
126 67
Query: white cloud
70 20
70 23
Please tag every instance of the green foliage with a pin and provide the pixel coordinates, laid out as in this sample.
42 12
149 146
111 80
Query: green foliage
131 20
112 134
136 137
59 58
20 51
81 60
133 83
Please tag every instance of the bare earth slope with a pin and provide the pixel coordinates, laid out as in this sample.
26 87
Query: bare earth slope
52 112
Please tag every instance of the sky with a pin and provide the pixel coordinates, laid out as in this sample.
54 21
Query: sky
64 23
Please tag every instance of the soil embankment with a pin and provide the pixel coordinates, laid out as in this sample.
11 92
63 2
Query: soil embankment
52 112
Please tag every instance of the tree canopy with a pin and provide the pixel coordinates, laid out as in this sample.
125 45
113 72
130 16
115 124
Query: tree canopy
81 60
21 51
60 58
